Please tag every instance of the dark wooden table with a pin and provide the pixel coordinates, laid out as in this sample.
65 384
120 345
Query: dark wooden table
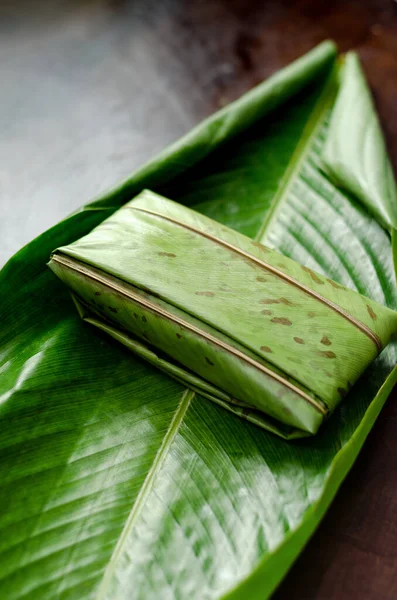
91 89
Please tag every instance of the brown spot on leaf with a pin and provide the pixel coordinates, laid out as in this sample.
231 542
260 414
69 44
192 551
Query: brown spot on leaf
135 315
266 312
144 319
209 361
260 246
97 293
281 321
311 314
269 301
335 285
313 275
169 254
327 353
266 349
261 279
178 335
299 340
209 294
326 341
286 302
114 310
281 265
371 313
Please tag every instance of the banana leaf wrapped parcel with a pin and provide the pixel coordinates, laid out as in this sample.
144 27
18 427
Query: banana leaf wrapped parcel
260 334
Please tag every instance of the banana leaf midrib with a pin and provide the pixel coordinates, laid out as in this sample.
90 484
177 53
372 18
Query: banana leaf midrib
112 284
186 399
314 122
275 271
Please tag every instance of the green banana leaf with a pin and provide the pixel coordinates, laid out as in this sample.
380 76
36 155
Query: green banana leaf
117 481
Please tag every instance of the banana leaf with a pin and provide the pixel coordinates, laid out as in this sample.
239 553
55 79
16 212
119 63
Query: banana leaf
118 481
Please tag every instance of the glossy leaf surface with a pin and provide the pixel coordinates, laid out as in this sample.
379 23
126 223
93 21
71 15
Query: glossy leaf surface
116 481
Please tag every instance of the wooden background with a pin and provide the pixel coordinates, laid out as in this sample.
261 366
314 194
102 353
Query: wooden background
91 89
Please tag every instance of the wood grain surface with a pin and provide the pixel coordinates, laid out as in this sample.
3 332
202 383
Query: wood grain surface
91 89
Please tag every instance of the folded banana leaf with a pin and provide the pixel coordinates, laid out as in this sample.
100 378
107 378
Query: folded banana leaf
235 313
118 481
